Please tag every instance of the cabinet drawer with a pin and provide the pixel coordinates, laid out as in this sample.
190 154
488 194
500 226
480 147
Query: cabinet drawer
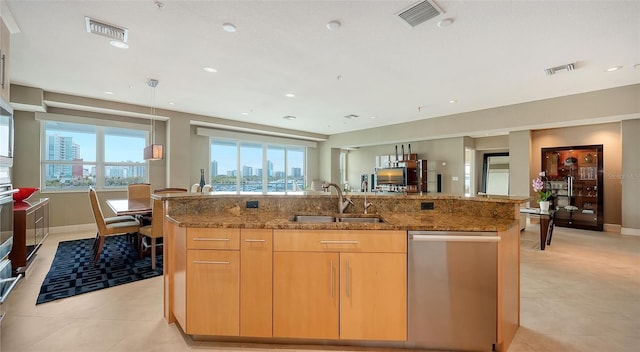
340 241
213 238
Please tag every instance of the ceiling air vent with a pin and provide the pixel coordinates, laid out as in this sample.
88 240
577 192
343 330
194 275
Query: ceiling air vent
420 13
107 30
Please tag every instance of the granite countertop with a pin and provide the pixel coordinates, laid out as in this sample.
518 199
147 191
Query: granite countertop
404 222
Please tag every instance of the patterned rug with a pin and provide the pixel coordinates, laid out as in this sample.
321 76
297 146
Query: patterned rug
72 271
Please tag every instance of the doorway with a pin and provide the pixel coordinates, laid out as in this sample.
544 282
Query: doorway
495 174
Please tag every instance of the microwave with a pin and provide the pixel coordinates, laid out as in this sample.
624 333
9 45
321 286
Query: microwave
6 133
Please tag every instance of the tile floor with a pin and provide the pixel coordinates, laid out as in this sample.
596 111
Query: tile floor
581 294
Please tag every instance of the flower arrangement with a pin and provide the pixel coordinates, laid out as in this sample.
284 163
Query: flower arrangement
538 186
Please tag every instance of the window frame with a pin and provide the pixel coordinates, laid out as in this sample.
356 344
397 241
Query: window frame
264 152
100 127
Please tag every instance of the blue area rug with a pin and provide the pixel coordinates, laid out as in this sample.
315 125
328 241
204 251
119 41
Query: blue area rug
72 271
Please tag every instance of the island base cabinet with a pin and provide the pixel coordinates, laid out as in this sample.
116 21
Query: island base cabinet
373 301
213 291
305 295
256 254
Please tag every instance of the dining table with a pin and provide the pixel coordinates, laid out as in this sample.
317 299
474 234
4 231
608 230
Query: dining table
130 206
545 218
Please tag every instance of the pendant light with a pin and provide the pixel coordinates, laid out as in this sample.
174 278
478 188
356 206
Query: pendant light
153 151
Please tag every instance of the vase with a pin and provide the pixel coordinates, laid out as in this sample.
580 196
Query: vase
544 206
201 179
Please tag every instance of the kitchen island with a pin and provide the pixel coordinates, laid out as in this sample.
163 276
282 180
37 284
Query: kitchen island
293 269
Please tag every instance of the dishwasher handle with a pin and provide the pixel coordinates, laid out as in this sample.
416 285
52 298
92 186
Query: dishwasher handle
453 238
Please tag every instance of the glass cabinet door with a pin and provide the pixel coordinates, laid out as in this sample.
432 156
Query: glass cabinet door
574 175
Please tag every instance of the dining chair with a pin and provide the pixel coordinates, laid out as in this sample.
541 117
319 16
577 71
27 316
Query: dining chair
139 191
154 231
206 188
195 188
107 229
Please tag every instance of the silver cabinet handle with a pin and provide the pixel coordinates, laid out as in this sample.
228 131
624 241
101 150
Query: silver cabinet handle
2 63
453 238
348 280
338 242
14 282
208 262
209 239
251 240
331 270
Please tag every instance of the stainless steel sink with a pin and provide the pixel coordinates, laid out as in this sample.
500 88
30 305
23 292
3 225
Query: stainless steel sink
314 218
359 219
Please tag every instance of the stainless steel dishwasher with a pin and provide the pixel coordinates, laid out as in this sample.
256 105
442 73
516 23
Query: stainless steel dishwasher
452 290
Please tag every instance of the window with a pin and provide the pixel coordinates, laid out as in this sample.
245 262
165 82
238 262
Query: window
77 155
256 167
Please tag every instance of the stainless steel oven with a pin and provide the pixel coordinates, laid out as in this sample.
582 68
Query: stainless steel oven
7 282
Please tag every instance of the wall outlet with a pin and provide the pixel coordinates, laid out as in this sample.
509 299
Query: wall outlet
252 204
426 206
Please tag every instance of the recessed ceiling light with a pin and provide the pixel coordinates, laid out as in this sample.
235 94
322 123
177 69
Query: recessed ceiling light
210 69
289 117
119 44
452 101
351 116
172 103
108 93
333 25
615 68
372 117
244 113
636 66
445 23
289 95
229 27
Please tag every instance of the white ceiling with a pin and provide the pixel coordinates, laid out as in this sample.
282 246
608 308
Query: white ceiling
375 65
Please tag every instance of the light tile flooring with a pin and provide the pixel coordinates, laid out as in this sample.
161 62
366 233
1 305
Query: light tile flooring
581 294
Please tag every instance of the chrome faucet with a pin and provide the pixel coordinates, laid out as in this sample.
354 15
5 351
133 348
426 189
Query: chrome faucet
366 204
343 202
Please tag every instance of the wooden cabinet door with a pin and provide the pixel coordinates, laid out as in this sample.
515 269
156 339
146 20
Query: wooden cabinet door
305 295
256 263
213 291
373 296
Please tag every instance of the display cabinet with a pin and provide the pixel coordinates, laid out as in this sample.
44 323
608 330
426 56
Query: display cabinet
31 227
574 176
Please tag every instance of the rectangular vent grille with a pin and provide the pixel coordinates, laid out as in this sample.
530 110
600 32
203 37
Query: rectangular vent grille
420 13
106 30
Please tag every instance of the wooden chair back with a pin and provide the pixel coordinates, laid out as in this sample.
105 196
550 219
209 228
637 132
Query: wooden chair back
97 211
139 191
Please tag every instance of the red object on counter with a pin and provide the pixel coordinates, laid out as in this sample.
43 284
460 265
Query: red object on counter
24 193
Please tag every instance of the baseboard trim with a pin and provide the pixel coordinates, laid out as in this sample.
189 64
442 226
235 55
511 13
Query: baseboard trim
73 228
613 228
629 231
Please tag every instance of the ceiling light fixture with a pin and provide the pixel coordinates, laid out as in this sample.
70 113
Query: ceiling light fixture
636 66
554 70
445 23
108 93
615 68
289 117
118 44
351 116
290 95
333 25
153 151
229 27
452 101
210 69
